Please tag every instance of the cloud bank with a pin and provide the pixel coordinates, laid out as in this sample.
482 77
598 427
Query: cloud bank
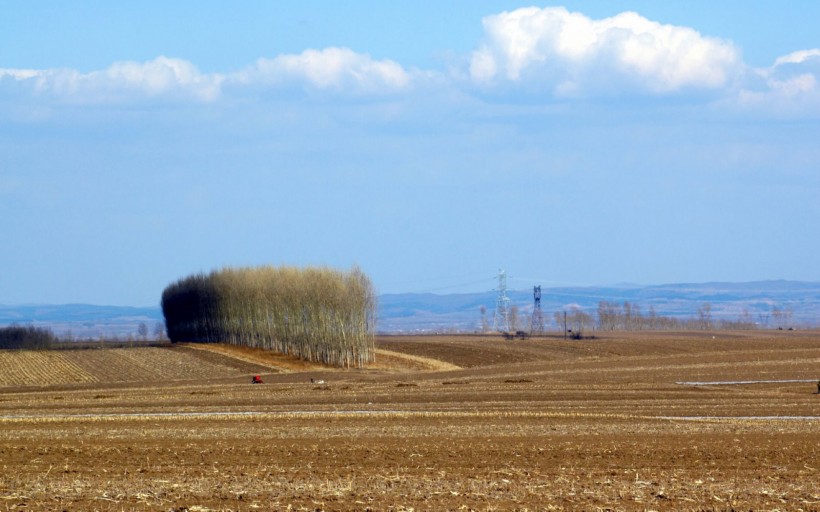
548 53
122 81
332 69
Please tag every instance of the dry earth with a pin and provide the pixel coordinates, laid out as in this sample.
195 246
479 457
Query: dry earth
439 423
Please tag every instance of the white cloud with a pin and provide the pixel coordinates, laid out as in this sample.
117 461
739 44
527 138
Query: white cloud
791 86
794 74
128 80
158 77
549 50
798 57
795 85
574 54
339 69
18 74
336 69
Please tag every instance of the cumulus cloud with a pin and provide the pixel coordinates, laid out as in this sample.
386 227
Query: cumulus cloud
791 85
573 54
338 69
535 50
795 73
160 77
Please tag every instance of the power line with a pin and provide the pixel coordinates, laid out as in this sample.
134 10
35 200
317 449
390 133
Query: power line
485 280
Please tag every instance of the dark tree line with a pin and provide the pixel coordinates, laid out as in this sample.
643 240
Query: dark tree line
28 337
316 314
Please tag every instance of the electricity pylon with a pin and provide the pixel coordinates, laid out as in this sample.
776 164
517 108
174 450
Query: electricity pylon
501 318
537 324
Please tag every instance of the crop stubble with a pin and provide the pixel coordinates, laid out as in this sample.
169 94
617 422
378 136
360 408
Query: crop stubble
564 425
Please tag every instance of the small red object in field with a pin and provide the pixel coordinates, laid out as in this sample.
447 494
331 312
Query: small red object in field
257 379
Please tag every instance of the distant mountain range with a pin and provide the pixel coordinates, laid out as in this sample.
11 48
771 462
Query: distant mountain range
426 312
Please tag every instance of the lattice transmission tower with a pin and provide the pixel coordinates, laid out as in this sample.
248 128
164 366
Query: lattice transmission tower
501 318
537 324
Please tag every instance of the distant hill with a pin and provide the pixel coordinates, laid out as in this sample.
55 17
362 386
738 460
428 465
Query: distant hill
426 312
413 312
83 320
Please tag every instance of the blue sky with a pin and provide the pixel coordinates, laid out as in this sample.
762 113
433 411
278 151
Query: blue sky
430 143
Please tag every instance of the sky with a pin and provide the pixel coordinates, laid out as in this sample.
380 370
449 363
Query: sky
429 143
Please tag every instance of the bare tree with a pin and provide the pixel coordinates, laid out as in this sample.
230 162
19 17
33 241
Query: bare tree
627 315
782 316
705 316
159 331
514 318
484 326
142 330
777 316
579 320
526 320
607 316
652 318
559 317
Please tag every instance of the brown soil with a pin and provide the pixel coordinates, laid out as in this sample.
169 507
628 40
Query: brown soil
543 424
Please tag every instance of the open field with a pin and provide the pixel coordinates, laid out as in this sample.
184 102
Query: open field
438 423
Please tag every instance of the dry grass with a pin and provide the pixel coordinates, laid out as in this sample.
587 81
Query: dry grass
271 361
390 360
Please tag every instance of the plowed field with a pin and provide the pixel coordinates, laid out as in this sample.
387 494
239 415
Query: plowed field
640 421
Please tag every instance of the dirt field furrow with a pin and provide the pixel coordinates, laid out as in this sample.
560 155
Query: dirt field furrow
439 423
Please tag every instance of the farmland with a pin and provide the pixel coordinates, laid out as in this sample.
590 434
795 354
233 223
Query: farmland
638 421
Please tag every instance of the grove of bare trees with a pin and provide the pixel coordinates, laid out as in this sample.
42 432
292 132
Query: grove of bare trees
628 317
316 314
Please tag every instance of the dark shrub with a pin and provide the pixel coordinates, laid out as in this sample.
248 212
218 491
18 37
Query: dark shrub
15 336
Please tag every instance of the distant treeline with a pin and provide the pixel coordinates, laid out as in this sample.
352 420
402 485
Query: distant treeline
628 316
316 314
28 337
